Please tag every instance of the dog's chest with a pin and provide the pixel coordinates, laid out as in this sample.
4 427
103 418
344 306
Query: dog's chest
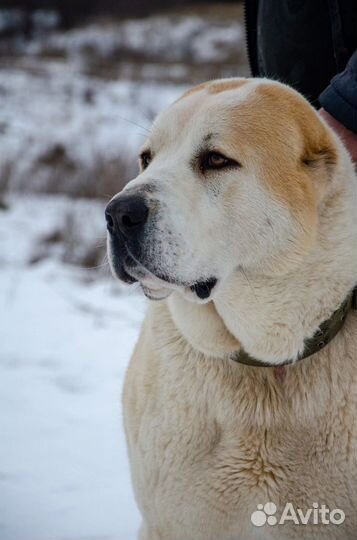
211 448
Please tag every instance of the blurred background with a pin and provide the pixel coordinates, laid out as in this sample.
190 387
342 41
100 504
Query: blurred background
80 83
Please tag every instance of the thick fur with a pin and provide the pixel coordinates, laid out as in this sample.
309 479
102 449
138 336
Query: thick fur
209 439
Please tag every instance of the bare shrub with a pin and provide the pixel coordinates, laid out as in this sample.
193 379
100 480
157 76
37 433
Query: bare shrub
5 175
78 239
57 173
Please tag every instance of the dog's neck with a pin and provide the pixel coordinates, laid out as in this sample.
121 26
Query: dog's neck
272 316
272 319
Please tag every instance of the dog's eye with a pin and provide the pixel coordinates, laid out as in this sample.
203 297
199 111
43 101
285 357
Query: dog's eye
215 161
145 158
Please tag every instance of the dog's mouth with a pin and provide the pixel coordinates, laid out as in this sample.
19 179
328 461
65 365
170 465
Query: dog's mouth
158 286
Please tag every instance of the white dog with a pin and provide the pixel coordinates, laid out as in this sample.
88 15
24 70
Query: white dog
242 222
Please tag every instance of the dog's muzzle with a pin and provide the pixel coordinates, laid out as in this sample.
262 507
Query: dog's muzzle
126 217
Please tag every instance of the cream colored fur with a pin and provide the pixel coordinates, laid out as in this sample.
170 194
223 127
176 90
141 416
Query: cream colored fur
208 438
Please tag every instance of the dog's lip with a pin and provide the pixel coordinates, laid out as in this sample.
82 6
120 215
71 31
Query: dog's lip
157 286
127 277
136 270
149 281
156 294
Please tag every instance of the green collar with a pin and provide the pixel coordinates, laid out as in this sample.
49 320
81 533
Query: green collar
322 337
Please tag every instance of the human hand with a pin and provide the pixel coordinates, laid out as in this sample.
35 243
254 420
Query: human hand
348 137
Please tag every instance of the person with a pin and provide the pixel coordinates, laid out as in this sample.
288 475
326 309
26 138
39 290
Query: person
312 46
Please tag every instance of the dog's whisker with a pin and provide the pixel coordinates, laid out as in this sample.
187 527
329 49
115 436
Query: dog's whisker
105 263
134 123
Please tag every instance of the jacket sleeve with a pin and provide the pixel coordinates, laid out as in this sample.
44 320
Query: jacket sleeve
340 98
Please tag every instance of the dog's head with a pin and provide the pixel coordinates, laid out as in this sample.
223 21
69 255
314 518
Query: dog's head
231 177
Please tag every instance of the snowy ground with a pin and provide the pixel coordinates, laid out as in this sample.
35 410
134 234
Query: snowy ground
66 339
75 109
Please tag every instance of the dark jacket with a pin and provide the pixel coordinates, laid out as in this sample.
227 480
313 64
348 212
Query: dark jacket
310 45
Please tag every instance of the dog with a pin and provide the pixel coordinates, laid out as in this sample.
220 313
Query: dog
241 394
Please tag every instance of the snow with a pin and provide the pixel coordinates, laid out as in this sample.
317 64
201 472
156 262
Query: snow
66 340
88 121
173 38
76 107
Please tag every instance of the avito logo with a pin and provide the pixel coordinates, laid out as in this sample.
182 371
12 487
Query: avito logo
265 514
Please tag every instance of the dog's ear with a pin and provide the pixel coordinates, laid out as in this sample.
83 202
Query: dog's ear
320 153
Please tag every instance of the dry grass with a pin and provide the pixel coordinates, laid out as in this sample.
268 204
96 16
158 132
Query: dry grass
70 242
5 175
100 179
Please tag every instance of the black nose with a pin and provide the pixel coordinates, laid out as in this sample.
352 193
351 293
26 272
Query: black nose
126 214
